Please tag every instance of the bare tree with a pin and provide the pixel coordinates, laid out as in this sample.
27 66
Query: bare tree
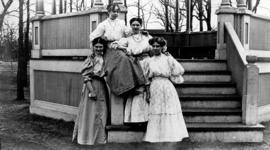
203 13
4 12
20 71
26 43
254 9
169 17
144 11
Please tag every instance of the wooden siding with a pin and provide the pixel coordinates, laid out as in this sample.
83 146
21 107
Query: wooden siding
259 33
58 87
264 95
66 33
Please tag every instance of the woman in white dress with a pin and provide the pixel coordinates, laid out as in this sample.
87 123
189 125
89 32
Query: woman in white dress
137 46
89 128
165 122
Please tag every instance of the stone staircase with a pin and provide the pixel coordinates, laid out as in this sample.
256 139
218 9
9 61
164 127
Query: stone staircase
211 107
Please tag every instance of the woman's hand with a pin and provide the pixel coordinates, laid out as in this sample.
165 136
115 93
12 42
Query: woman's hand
114 45
92 95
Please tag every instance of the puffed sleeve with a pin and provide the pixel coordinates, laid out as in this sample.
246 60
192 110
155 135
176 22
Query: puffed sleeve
147 73
98 32
87 69
123 42
176 70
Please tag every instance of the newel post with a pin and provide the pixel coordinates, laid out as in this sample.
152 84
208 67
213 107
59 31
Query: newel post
242 20
225 13
36 23
250 92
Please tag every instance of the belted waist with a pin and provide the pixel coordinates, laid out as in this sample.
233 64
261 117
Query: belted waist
141 56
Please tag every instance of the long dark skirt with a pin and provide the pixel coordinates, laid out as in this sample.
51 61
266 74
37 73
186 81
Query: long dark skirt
124 74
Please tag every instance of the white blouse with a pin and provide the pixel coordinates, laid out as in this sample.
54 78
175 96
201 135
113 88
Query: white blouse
164 66
136 44
112 30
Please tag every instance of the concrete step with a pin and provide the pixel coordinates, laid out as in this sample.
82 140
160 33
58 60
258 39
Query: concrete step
198 132
203 65
210 101
211 115
207 76
206 88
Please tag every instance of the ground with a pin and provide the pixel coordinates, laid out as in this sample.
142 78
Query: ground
20 130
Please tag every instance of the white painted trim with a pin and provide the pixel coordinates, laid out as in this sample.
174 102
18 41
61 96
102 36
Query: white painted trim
65 52
258 53
264 113
56 65
35 53
53 110
240 49
37 24
32 91
264 68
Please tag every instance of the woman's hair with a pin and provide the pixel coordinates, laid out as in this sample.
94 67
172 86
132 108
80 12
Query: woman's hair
101 41
135 19
113 7
160 40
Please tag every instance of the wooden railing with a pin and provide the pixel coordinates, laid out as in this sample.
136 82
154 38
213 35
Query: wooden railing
259 32
65 32
244 73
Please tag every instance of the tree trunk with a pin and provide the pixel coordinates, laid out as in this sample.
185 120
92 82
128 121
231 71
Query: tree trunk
20 82
26 44
166 16
65 6
200 7
70 5
208 18
254 9
176 15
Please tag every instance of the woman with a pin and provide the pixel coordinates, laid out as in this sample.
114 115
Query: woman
165 122
136 45
116 62
92 115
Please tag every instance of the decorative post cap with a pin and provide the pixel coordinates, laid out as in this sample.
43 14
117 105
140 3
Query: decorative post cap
241 4
117 2
225 4
98 3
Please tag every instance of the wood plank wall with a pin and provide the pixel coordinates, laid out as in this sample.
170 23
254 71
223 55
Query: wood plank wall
66 33
259 34
58 87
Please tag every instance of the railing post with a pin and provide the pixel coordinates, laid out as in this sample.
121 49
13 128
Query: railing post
250 93
36 51
243 23
225 13
39 8
225 4
53 7
241 4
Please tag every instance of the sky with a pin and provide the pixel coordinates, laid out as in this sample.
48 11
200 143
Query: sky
263 9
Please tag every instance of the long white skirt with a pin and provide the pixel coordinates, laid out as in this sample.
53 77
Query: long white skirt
136 109
165 122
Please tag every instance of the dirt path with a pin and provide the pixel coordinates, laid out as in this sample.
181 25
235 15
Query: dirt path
20 130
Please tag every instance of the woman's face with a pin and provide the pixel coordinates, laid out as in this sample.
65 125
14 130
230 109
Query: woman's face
113 14
135 26
98 49
156 48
